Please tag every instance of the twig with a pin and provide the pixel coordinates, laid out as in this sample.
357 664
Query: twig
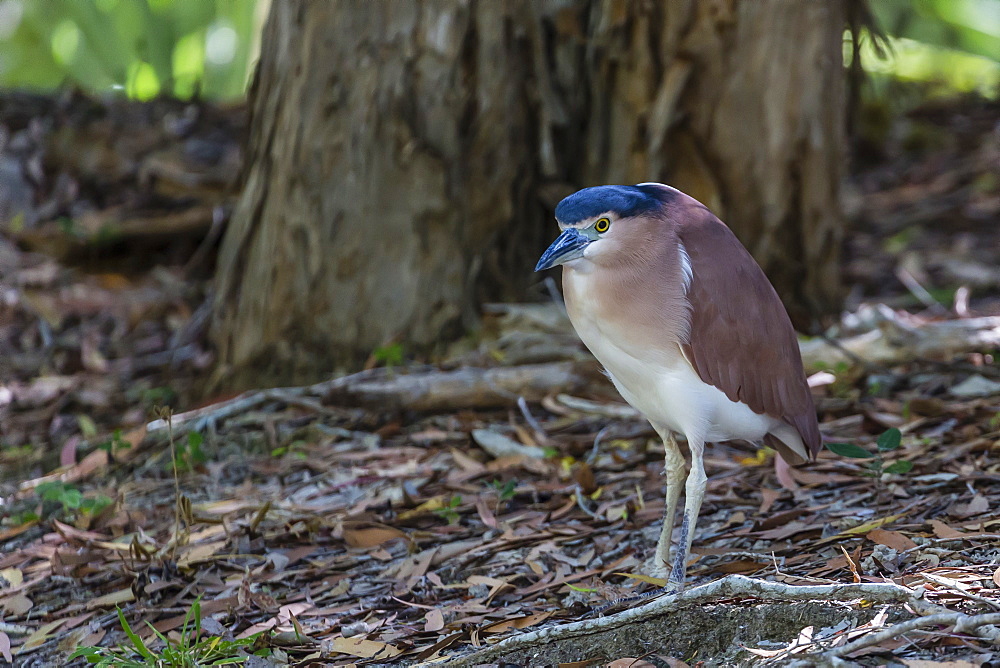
920 292
15 629
952 586
167 414
956 539
970 624
581 502
530 419
594 451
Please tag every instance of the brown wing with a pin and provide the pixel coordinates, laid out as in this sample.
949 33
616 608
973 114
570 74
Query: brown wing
742 341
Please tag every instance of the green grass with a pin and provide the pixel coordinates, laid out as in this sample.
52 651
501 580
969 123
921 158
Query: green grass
189 651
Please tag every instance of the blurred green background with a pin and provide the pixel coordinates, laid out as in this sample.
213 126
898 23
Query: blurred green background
951 46
140 48
205 48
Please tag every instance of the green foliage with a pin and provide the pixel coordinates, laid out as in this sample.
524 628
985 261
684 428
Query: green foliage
115 443
888 441
900 466
189 453
962 25
66 495
295 449
158 396
951 45
144 48
18 519
848 450
389 355
504 490
71 500
448 511
190 651
87 426
580 589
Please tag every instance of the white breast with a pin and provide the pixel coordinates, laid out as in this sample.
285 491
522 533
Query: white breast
663 387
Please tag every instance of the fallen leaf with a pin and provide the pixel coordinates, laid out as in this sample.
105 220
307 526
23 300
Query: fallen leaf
768 497
517 622
114 598
485 514
851 564
13 577
783 472
199 552
5 648
226 506
659 582
975 386
39 637
739 566
434 621
942 530
67 456
428 506
500 445
373 536
15 531
442 644
365 649
893 539
979 505
868 526
17 605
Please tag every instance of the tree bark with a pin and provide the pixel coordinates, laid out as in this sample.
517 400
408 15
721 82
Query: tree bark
741 104
405 157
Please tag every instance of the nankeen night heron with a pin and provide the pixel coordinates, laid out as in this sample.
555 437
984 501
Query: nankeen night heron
689 330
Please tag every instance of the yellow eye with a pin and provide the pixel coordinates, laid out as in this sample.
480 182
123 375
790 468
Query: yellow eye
602 225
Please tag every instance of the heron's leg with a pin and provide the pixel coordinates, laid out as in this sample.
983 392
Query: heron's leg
674 470
694 492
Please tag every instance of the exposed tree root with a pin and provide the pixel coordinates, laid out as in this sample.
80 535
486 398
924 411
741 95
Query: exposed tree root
429 390
896 340
537 644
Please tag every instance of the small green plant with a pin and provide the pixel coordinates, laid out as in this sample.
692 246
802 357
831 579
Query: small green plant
115 443
888 441
189 651
67 496
389 355
189 454
504 490
71 500
295 449
158 396
448 512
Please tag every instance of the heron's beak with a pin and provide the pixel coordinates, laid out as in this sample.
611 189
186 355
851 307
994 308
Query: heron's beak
568 246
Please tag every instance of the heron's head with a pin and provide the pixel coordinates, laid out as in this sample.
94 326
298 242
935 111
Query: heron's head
605 224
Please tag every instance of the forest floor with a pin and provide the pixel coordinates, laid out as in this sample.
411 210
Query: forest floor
363 534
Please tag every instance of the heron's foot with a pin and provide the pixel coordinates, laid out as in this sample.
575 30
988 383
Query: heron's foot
656 567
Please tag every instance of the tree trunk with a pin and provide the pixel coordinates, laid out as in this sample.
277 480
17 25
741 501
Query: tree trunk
405 157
